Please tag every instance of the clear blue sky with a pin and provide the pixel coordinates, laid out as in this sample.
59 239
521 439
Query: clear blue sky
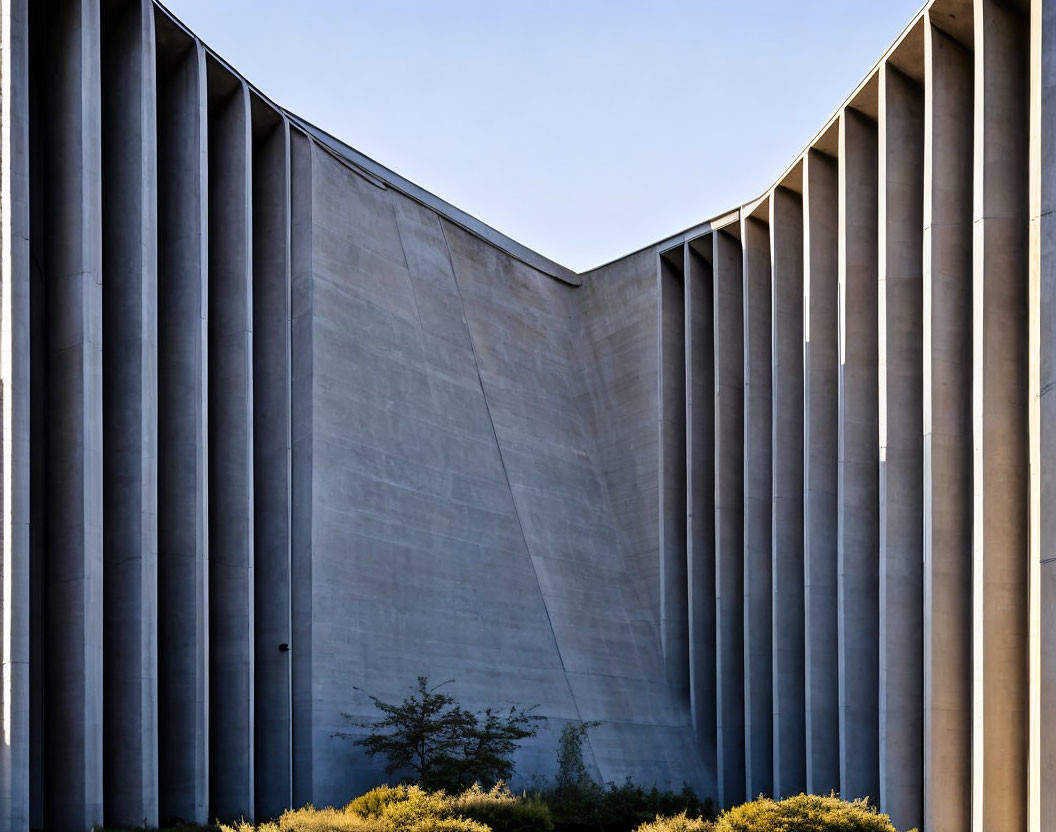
585 129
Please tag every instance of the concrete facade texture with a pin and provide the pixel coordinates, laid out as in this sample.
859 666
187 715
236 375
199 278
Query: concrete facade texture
770 503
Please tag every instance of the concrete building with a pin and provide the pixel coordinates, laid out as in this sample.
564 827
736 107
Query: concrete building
773 501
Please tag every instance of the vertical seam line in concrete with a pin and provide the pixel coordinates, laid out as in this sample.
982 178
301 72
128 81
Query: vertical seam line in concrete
410 277
509 487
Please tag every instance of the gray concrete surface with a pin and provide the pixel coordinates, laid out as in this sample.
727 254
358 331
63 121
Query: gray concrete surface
729 517
700 490
1042 799
787 360
17 682
820 443
183 446
767 500
231 515
857 544
67 237
999 419
900 405
271 460
758 505
674 598
947 433
130 415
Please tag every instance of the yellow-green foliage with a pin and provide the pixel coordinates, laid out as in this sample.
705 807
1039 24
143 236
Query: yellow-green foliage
804 813
384 809
419 811
310 819
502 810
373 803
677 823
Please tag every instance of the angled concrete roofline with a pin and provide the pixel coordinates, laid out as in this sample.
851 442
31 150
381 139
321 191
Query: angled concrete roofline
730 217
383 176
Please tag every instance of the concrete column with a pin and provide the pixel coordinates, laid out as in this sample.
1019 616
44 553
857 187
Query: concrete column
674 634
947 432
758 494
72 714
301 382
1042 791
729 517
1000 545
700 491
231 531
271 458
901 224
820 357
38 416
786 257
183 351
15 381
857 521
130 415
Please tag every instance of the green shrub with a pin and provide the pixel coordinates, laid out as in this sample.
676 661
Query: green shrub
677 823
372 804
804 813
502 810
588 807
431 823
384 809
416 807
625 808
310 819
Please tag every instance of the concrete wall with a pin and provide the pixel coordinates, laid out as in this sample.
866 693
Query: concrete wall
766 501
459 507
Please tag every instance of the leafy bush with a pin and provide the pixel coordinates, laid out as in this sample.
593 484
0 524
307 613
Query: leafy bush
310 819
416 806
413 809
372 804
677 823
442 744
589 807
432 823
502 810
804 813
624 808
578 803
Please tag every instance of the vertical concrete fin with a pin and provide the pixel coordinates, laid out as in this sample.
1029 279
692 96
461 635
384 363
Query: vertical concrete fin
700 491
69 236
271 458
787 308
947 382
130 414
758 496
231 517
183 402
301 303
900 323
15 384
857 508
1000 546
947 430
729 515
820 360
674 635
1042 785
